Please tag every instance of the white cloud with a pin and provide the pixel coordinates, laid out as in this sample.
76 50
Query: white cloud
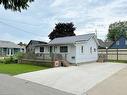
87 16
57 3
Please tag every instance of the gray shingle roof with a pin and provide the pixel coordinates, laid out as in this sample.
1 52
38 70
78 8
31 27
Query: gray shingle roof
35 43
101 43
108 44
71 39
8 44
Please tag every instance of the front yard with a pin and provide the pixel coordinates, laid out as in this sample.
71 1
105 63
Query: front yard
14 69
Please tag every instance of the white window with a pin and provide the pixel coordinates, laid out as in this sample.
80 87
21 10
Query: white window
82 49
125 42
91 50
117 42
41 49
63 49
95 50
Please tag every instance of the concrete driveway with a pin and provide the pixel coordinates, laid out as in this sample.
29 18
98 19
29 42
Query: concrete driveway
114 85
75 79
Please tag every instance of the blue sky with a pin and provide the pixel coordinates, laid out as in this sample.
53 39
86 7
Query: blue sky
40 18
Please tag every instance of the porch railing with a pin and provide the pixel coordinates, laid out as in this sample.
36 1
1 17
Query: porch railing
51 56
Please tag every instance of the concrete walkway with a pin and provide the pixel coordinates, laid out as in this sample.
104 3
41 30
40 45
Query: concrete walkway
75 79
13 86
114 85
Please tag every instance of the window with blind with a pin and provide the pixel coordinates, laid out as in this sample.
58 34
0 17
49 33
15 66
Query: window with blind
41 49
63 49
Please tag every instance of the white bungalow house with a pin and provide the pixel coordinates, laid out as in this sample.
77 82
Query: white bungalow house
8 48
75 49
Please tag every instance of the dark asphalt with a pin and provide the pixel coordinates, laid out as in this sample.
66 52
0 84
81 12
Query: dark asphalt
13 86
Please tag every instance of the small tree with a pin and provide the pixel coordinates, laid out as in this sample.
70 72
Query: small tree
15 5
62 30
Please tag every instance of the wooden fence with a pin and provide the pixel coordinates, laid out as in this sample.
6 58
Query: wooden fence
114 54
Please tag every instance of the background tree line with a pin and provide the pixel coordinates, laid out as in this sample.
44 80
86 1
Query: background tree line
116 30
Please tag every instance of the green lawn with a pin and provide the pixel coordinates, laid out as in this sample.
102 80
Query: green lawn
14 69
119 61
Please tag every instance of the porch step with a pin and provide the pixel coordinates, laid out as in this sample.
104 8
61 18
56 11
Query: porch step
102 58
65 63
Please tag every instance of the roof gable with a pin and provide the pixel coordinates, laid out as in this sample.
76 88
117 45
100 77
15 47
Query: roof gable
121 38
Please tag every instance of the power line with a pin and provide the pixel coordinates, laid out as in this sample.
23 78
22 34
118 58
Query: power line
20 22
21 29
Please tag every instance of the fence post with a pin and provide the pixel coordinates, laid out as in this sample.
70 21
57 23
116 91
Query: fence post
106 53
117 54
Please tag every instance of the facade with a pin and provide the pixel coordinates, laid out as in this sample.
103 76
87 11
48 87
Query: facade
75 49
23 49
31 45
120 43
8 48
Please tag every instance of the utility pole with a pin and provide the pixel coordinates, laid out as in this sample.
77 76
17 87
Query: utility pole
106 54
96 32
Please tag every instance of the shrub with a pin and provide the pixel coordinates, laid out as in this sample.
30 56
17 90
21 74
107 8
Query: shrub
1 60
19 56
9 60
29 55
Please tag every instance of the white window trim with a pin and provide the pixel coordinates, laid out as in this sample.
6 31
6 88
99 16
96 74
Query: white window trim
91 50
43 51
118 42
82 49
125 42
63 46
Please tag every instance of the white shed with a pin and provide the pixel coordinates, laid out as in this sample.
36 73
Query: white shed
75 49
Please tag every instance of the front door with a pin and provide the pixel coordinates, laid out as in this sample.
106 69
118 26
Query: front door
50 49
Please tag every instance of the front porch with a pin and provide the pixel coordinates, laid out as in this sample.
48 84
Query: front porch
51 56
46 59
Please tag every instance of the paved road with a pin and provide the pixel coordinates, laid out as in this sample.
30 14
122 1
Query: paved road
114 85
13 86
74 79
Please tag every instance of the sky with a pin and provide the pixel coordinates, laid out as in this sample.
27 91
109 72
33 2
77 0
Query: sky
40 18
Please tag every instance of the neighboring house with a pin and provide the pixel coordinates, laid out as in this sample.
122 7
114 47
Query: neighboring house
75 49
8 48
108 43
102 44
120 43
31 45
23 46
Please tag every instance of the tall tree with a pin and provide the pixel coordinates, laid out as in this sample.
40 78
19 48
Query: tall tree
116 30
62 30
15 5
